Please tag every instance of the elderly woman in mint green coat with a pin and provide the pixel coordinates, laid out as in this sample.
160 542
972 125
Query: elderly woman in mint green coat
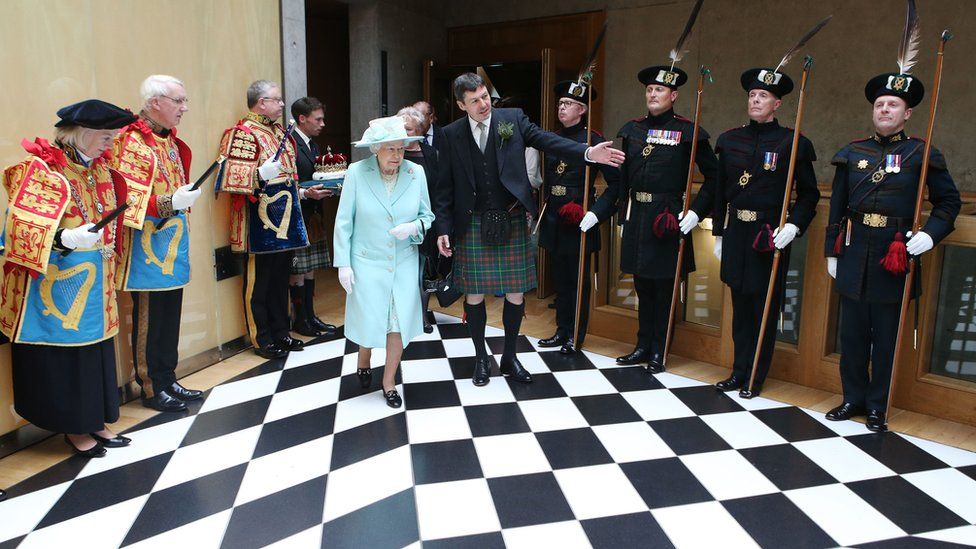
383 215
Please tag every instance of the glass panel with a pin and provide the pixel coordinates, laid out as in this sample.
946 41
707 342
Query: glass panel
789 330
954 341
620 286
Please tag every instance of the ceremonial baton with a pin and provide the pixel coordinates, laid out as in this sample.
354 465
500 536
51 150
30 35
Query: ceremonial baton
284 140
200 181
102 223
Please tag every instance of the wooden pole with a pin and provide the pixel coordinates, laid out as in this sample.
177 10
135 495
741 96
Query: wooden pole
583 270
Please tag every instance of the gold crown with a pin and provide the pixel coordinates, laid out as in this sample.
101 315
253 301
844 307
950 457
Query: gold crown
331 163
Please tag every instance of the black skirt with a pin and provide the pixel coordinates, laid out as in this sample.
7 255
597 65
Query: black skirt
66 389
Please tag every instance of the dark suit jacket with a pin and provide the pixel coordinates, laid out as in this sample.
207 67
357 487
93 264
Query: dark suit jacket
305 159
311 209
455 198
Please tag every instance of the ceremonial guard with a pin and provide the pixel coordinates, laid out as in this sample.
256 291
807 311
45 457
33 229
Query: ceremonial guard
871 212
753 165
559 231
266 217
653 178
59 307
155 260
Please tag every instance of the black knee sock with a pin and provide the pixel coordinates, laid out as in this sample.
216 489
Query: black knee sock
477 318
297 294
512 320
309 299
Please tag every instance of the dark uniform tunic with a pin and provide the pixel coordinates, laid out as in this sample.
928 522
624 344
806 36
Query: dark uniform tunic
749 198
871 295
564 184
649 186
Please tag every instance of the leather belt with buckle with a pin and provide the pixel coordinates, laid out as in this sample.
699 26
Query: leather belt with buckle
878 221
557 190
746 215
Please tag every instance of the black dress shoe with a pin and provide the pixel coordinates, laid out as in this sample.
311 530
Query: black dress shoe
365 376
556 340
95 451
639 355
482 372
303 327
568 348
291 344
118 441
655 364
183 393
428 327
271 351
512 368
326 329
3 495
876 421
846 410
747 393
164 402
393 399
731 383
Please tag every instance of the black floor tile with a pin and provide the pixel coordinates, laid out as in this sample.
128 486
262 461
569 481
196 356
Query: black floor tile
631 378
463 367
496 344
12 543
969 470
295 430
909 508
445 461
391 522
688 435
192 408
422 350
896 453
368 440
635 530
775 521
558 362
430 394
349 386
227 420
573 448
106 489
453 331
605 409
52 476
793 424
274 365
786 467
262 522
706 400
185 503
310 373
665 482
526 500
496 419
542 386
912 543
492 540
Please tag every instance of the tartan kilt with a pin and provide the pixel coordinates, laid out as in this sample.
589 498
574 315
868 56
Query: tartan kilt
509 268
315 256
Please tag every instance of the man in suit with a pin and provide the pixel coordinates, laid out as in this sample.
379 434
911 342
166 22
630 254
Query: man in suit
309 116
432 132
484 203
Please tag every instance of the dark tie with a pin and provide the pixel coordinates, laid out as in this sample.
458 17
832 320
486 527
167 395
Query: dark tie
314 147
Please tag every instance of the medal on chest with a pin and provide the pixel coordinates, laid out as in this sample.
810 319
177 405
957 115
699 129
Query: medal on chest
862 164
561 167
769 161
744 178
892 163
172 155
663 137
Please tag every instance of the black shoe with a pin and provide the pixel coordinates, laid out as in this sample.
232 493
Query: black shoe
164 402
482 372
639 355
846 410
365 376
428 327
568 348
291 344
118 441
556 340
551 305
747 393
95 451
876 421
512 368
305 328
393 399
183 393
655 365
326 329
3 495
731 383
271 351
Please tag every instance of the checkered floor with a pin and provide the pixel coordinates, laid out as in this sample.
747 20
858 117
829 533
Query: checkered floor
293 453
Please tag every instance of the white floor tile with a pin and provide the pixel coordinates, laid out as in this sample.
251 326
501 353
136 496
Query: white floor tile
420 371
599 491
949 487
531 362
843 460
241 391
363 409
306 539
275 472
363 483
442 318
350 362
146 443
842 428
458 347
209 456
705 524
113 525
963 535
657 404
303 399
742 430
506 455
496 392
316 353
758 403
459 508
552 414
954 457
584 382
843 515
728 475
601 361
21 514
672 381
437 424
205 533
632 442
565 535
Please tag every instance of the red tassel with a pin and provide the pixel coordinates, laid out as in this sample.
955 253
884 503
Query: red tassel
665 224
571 213
839 243
895 260
764 239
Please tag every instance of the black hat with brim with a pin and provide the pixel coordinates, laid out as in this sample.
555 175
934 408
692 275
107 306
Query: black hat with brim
571 89
776 83
904 86
663 75
94 114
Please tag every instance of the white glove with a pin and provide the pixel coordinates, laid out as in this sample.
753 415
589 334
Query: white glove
79 237
782 239
588 221
919 243
346 279
687 222
718 248
832 267
183 198
404 230
270 169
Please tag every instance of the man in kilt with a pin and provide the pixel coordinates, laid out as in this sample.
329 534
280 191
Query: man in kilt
484 201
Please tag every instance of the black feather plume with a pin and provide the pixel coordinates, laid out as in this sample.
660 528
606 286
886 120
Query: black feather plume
789 55
908 49
586 71
678 52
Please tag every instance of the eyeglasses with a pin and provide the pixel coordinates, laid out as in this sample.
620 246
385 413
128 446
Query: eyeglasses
566 103
275 99
180 101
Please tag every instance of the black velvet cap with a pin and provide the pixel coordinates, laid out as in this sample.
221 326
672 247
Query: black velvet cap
776 83
663 75
94 114
904 86
572 89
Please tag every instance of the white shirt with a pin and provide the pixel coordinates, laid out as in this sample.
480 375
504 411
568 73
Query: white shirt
475 132
304 137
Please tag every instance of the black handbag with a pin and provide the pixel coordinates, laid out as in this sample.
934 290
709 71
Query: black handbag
442 285
495 227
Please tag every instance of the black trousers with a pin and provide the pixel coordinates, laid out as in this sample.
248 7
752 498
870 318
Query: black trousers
868 331
266 296
654 304
747 311
155 337
566 276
